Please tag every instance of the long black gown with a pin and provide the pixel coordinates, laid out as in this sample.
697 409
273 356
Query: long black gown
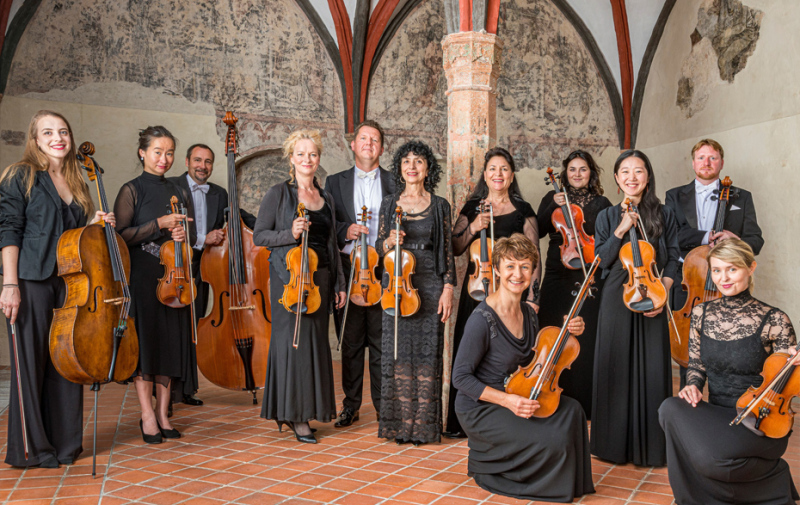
632 372
164 332
710 462
521 220
411 385
533 459
557 287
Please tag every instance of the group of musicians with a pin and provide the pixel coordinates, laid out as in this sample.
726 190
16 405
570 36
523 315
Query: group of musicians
621 380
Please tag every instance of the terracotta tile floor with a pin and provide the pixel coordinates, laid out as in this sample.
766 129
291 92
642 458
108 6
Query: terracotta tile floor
230 455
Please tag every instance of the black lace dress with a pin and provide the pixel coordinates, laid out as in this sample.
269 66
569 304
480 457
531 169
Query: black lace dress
558 285
521 220
710 462
411 387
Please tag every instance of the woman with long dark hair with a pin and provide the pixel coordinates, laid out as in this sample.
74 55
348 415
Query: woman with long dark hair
512 214
580 178
632 373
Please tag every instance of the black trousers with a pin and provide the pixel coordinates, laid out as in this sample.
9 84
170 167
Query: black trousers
190 384
363 331
53 405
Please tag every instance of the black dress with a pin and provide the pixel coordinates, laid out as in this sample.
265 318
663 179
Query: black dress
411 385
632 372
558 285
710 462
532 459
522 219
164 332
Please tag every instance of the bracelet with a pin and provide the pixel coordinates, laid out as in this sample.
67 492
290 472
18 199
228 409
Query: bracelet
10 285
448 287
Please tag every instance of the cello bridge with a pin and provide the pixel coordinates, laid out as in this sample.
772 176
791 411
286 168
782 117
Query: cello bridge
115 301
244 307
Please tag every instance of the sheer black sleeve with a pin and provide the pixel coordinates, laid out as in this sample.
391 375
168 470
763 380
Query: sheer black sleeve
449 262
546 208
385 222
124 209
779 332
462 235
696 373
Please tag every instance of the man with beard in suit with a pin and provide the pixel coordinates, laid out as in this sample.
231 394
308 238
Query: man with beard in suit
363 185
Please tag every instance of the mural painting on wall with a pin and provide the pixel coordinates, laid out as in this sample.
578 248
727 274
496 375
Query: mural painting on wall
407 89
724 38
551 98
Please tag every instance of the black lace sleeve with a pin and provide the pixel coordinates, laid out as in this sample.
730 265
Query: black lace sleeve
385 222
778 332
124 209
448 261
696 373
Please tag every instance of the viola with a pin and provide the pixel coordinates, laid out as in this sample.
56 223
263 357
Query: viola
92 337
644 291
483 282
697 283
301 295
768 408
555 350
176 288
363 289
577 247
399 298
233 340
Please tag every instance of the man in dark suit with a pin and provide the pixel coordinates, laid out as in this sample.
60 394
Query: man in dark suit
364 184
210 202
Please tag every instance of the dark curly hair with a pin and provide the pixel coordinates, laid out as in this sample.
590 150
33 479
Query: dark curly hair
481 190
420 149
594 186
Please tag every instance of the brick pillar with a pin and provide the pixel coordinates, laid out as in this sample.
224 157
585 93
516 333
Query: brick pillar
472 65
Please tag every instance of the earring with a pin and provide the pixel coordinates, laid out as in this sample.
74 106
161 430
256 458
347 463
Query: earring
617 189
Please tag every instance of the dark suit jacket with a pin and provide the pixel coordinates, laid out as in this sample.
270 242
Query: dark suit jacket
340 187
740 220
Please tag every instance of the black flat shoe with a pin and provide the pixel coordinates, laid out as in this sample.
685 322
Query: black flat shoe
150 439
346 417
454 434
192 400
173 433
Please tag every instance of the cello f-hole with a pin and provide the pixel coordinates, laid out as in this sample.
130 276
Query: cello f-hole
95 297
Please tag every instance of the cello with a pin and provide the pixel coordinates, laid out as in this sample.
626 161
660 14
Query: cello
365 289
399 298
554 351
577 247
483 282
697 283
644 291
233 339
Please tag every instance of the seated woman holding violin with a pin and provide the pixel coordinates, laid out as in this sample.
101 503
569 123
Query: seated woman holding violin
709 461
513 453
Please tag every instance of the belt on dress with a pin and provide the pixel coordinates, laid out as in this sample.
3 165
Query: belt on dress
419 247
152 248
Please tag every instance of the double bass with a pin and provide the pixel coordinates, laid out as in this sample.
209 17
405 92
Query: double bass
233 340
483 282
577 247
555 350
697 283
644 291
364 289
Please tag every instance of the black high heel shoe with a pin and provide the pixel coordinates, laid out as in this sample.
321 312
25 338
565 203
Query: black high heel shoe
173 433
287 423
150 439
306 439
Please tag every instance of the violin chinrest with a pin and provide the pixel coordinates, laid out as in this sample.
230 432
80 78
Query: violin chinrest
643 305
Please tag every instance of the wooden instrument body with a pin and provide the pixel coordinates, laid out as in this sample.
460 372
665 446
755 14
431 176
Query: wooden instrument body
480 282
240 315
408 297
81 335
301 287
522 381
643 282
174 288
366 288
570 254
780 418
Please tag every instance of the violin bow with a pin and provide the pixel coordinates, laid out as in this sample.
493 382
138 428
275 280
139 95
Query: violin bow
188 249
356 249
14 344
491 233
301 295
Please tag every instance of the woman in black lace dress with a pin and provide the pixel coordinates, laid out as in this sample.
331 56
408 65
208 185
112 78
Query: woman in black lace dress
709 461
511 452
632 373
299 384
144 223
581 179
411 387
512 214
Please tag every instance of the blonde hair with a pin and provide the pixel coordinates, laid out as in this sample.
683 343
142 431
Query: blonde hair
294 138
713 144
34 160
736 252
517 246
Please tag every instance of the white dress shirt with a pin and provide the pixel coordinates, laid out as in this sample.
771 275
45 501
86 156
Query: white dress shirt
706 207
366 191
199 197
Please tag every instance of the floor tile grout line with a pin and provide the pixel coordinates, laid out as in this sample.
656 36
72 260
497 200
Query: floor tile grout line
113 442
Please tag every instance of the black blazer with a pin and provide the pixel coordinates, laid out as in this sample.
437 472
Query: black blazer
32 223
740 220
340 187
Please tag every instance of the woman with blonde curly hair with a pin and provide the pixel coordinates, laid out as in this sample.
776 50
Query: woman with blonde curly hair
299 385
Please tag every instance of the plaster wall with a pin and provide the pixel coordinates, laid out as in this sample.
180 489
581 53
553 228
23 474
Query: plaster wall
756 118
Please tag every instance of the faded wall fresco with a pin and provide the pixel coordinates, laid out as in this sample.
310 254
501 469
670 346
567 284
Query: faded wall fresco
551 98
407 89
261 59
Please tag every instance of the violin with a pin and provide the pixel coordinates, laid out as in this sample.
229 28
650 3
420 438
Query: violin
92 337
555 350
483 282
364 289
176 288
301 295
644 291
768 408
697 283
233 340
577 247
399 298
